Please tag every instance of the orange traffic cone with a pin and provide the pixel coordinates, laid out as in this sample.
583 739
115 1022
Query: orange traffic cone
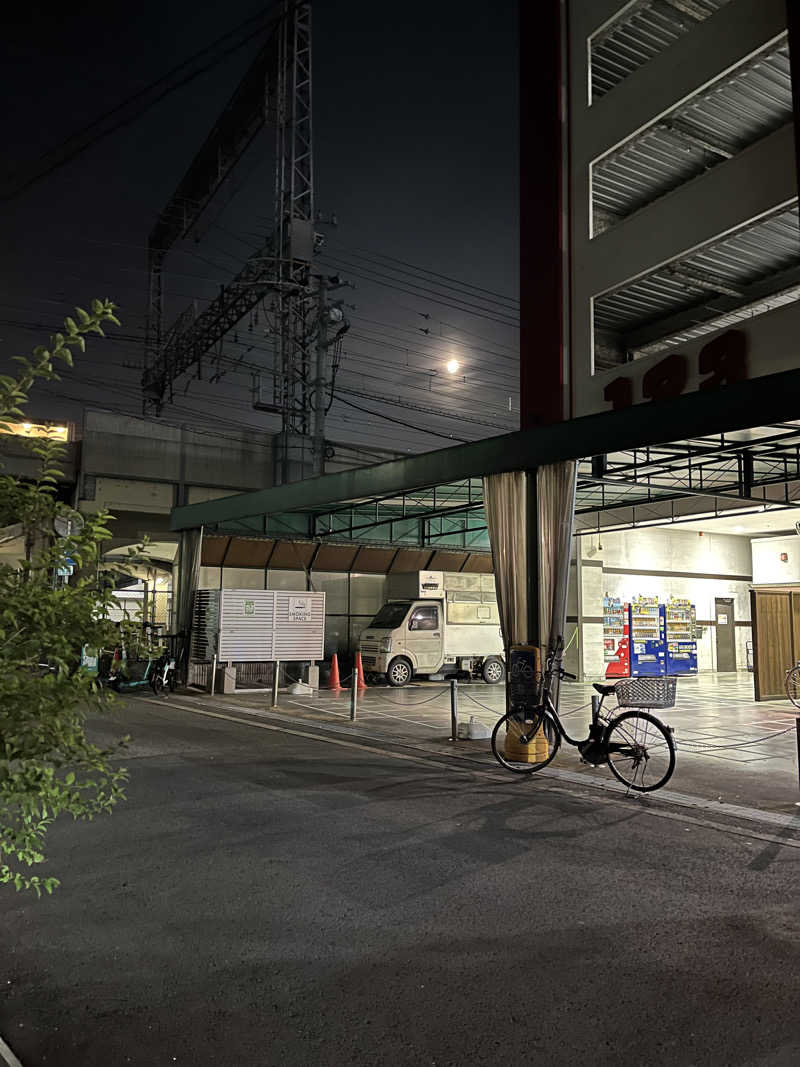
360 672
333 683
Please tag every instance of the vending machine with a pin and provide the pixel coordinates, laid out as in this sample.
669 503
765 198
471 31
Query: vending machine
647 637
616 642
681 636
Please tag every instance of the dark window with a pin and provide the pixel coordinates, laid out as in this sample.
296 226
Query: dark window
391 615
426 618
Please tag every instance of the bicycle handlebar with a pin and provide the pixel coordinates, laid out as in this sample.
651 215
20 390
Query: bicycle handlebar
566 674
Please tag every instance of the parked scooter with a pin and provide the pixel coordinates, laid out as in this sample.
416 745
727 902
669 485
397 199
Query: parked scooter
125 674
163 675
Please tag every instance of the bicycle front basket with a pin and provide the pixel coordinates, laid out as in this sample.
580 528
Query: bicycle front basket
646 692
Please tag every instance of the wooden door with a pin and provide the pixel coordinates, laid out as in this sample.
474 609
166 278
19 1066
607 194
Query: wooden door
773 653
795 627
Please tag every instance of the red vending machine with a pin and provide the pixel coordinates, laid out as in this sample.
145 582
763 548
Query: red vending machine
616 638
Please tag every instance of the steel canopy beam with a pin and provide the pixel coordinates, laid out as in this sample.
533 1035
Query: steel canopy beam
741 406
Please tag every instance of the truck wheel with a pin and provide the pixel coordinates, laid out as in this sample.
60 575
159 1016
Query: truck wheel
493 671
400 672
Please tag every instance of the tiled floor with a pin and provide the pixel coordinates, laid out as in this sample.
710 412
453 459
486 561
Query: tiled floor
727 743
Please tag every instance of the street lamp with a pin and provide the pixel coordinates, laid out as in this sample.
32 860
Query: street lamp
452 366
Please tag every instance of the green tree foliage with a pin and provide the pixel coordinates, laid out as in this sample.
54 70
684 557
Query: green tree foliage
48 767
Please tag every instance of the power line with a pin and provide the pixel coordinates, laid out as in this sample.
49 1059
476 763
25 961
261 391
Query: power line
463 415
383 260
440 338
482 313
400 422
70 154
237 425
459 416
481 337
353 249
388 280
241 365
397 345
253 345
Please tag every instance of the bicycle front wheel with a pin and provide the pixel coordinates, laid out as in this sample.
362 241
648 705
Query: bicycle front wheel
640 750
525 741
793 686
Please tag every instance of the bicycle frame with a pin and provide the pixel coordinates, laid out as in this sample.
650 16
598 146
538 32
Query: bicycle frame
595 729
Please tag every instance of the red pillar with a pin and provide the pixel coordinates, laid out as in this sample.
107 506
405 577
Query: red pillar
541 237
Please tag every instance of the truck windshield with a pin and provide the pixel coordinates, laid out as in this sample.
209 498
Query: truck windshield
391 615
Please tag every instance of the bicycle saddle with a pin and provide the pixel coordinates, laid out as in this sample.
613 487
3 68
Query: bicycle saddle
604 690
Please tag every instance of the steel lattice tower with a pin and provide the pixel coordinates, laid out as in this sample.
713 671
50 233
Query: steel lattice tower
276 91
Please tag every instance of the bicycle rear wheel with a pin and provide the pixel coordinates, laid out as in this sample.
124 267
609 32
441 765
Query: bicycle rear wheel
525 741
640 750
793 686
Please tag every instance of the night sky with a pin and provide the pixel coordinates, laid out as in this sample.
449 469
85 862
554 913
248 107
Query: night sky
416 151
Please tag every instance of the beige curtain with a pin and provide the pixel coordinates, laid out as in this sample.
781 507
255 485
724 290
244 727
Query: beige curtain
188 577
505 503
555 494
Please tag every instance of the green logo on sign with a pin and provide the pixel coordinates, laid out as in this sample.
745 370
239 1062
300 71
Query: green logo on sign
249 607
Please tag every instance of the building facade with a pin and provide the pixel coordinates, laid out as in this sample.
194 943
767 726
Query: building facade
680 221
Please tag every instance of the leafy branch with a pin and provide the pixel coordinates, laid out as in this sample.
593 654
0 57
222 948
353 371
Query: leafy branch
48 767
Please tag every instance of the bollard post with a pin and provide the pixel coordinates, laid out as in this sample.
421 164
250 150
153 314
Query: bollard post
213 685
354 695
276 675
454 709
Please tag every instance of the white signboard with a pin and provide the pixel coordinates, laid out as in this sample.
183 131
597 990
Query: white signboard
299 609
430 584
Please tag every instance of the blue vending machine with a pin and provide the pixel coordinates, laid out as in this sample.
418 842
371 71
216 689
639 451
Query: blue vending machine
681 637
647 637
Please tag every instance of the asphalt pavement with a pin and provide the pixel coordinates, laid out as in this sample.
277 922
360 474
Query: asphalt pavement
270 897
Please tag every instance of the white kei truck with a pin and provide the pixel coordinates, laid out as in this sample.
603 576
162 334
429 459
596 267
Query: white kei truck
435 623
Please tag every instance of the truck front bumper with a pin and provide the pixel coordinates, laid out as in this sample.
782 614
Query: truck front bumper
376 663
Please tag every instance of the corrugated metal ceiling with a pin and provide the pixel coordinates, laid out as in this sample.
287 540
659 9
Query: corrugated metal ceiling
641 32
731 318
735 112
743 259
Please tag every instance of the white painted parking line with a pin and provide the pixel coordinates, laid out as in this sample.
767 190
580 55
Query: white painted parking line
8 1056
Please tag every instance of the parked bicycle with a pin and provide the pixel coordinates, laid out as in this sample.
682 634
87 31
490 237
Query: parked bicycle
793 684
638 748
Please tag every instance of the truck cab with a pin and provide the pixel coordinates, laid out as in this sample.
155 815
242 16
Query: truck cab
439 631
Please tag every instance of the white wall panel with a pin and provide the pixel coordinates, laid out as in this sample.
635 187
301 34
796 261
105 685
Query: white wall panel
286 580
334 585
768 566
243 578
367 593
209 578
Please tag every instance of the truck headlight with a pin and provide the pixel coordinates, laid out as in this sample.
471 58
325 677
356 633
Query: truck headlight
386 644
